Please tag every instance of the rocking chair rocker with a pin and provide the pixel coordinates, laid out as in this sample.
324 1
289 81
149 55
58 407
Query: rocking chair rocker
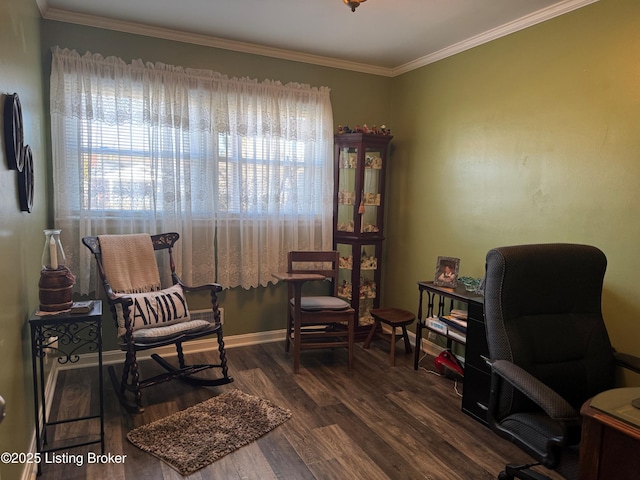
148 316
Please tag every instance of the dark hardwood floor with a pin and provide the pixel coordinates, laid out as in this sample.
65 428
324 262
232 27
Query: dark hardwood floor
375 422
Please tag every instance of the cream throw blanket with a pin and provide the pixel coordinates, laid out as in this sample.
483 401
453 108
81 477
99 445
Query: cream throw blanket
129 263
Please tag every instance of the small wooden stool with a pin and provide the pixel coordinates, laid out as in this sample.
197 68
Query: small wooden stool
394 317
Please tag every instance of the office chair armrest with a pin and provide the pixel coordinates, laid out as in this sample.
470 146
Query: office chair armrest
630 362
553 404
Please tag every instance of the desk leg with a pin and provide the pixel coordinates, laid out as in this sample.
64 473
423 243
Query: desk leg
297 326
418 350
36 401
100 384
590 448
416 358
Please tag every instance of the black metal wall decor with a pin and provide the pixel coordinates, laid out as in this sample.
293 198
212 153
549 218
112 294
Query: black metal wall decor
25 181
13 131
19 155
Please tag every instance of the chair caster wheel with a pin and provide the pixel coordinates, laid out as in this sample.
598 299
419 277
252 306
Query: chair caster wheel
505 476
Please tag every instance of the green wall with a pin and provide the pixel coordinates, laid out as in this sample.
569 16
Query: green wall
21 237
534 137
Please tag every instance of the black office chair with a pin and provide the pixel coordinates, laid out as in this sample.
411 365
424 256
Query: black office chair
549 349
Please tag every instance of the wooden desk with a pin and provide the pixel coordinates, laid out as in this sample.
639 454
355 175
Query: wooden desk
297 280
477 375
298 277
610 436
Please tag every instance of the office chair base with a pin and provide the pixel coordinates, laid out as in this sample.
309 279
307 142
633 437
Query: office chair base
522 472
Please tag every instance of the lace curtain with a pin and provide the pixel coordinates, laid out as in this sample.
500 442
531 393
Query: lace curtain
241 169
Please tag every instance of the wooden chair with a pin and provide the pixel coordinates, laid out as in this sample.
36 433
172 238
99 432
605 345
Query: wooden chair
152 317
317 321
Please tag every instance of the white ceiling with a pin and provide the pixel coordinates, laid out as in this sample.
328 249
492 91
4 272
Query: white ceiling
385 37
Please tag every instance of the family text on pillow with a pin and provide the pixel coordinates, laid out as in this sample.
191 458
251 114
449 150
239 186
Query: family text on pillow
155 309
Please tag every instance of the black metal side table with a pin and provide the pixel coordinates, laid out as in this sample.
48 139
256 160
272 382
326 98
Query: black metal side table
67 336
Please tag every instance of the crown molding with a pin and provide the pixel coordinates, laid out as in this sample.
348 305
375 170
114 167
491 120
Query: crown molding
43 6
204 40
283 54
502 31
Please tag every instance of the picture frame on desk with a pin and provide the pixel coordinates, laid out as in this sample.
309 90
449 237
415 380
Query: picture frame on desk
447 270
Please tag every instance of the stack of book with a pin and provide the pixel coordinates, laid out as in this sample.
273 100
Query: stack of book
82 307
456 323
436 325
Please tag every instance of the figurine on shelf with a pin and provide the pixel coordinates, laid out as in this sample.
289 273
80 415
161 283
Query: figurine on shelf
367 289
373 161
369 263
383 130
346 198
371 289
368 160
344 290
346 227
348 160
346 262
366 319
371 198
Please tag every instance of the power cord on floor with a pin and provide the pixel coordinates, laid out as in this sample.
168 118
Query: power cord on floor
433 372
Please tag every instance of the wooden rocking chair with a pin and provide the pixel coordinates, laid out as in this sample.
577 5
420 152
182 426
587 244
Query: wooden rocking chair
148 316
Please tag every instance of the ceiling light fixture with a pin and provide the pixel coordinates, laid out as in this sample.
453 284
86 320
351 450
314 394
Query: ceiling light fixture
353 4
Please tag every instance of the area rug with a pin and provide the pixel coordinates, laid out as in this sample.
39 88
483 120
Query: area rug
196 437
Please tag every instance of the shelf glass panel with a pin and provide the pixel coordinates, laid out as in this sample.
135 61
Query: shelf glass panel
344 271
371 191
369 220
360 258
364 317
347 189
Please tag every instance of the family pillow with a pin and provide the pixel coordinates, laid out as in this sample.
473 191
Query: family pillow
155 309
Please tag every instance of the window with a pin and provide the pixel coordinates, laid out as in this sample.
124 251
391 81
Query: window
241 169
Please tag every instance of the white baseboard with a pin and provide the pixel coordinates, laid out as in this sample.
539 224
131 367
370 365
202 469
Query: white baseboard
243 340
194 346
